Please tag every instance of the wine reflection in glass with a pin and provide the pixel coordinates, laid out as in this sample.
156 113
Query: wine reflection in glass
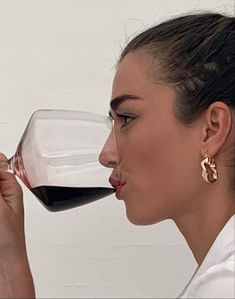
58 158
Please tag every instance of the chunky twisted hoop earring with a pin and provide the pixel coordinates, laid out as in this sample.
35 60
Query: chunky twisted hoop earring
209 170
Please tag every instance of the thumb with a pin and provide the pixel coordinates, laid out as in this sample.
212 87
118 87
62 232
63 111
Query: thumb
10 190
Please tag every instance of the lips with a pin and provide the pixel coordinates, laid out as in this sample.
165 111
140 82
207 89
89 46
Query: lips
117 185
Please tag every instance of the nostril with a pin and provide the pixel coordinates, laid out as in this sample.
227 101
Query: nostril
111 164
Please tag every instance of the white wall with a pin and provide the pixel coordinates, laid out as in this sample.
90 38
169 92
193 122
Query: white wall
61 54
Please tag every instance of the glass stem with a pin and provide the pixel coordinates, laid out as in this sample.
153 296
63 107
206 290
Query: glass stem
10 163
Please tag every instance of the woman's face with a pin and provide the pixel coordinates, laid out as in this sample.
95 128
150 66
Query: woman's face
158 160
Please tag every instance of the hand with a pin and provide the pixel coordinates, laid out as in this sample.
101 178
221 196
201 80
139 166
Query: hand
15 276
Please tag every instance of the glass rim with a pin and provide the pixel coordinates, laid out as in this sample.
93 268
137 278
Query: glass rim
72 114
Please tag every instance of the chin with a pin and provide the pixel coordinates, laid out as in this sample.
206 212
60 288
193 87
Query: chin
141 219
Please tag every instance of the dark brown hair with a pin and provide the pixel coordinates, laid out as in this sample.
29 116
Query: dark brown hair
196 55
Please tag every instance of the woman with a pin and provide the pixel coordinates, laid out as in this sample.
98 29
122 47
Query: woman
173 104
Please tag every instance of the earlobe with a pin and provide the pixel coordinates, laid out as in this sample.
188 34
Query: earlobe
217 124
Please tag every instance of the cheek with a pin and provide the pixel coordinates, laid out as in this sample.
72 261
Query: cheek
157 174
143 166
147 153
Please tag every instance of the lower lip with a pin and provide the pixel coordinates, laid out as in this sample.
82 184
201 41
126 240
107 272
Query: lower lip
118 191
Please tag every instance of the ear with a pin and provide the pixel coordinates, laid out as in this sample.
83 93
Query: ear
217 124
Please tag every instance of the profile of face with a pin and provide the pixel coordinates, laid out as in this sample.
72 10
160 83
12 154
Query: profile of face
158 158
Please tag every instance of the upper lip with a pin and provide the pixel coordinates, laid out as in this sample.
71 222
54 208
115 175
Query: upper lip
115 183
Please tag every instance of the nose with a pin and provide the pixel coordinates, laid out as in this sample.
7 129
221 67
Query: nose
108 155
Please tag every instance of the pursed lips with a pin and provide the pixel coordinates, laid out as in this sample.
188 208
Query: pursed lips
117 185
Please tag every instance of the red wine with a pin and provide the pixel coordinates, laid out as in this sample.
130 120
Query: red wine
56 198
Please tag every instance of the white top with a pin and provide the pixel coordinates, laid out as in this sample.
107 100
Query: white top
215 278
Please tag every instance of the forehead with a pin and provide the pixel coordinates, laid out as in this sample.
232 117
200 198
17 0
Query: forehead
133 73
136 75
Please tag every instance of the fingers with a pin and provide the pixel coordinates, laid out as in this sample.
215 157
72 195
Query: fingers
3 163
3 157
10 190
5 176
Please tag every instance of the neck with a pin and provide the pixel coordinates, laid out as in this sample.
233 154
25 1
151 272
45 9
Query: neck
200 227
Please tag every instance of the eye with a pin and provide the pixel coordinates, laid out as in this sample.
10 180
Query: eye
124 119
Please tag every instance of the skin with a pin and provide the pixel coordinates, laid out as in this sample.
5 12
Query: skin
158 158
15 275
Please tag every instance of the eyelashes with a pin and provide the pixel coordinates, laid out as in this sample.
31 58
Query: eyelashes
124 120
121 120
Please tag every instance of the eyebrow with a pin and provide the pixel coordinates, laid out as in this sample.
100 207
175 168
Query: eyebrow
117 101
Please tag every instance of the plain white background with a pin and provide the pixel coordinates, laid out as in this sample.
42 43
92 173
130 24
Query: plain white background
62 54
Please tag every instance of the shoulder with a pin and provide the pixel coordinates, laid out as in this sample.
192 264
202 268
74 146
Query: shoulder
218 281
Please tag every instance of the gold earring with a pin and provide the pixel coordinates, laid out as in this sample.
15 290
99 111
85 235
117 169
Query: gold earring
209 170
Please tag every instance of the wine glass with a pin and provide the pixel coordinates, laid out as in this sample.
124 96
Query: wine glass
58 158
